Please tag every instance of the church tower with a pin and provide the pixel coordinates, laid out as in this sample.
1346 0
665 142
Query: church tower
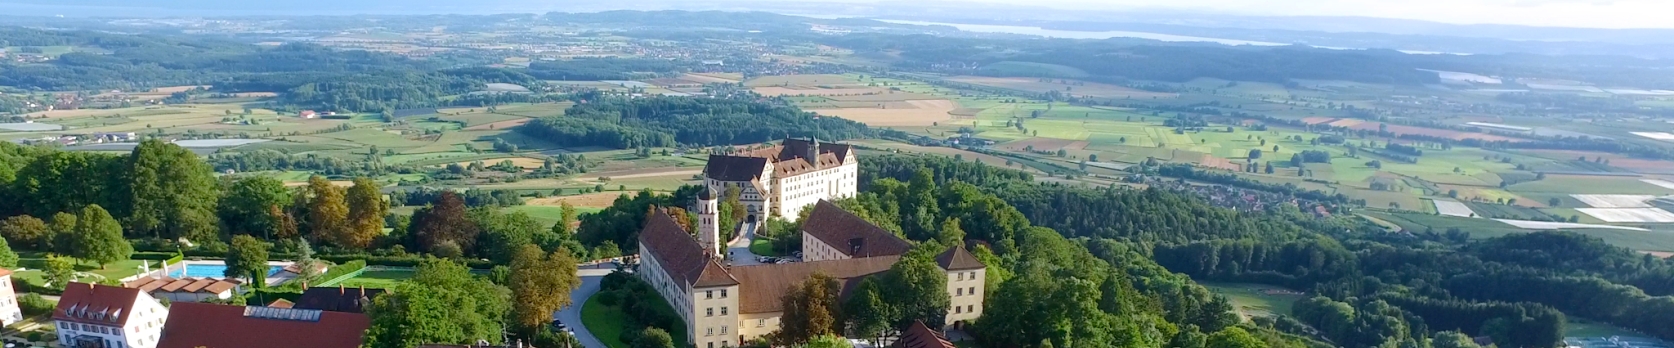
813 154
709 223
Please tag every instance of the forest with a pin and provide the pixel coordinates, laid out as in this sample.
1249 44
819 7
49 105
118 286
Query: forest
1516 289
663 121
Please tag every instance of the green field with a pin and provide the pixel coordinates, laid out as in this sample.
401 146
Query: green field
380 279
1256 300
607 322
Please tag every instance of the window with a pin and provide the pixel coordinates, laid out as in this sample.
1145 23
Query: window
711 293
709 312
723 312
958 310
972 291
723 329
723 293
711 344
959 292
959 277
970 308
761 322
709 332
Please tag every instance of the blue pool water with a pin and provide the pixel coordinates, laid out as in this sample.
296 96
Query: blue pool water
210 271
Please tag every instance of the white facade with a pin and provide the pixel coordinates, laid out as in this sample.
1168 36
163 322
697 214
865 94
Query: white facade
142 329
797 192
10 313
966 290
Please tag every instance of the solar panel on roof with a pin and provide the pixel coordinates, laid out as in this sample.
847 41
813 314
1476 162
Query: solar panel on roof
282 313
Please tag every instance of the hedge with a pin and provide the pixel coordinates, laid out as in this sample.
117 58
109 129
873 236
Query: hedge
338 271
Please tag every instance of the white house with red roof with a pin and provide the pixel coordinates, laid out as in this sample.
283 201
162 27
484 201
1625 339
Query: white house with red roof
99 316
9 311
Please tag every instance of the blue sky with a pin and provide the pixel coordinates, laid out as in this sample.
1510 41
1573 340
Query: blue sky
1567 13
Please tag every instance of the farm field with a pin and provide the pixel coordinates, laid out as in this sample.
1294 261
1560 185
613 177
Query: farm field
1453 208
1072 87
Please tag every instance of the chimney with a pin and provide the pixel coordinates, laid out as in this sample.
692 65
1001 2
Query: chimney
305 285
339 289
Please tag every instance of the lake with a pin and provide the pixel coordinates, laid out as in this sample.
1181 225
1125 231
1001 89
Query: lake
1100 35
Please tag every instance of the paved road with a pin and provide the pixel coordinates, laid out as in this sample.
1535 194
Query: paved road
571 316
739 251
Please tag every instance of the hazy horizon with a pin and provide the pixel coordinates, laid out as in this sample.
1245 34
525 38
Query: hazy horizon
1602 14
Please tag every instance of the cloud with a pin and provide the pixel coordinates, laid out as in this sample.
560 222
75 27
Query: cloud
1570 13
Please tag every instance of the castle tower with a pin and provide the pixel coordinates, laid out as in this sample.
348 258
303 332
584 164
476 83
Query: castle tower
709 223
813 155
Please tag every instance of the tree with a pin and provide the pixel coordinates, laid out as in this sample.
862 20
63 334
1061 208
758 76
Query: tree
866 314
248 206
284 223
442 304
828 341
1269 168
606 250
305 261
810 310
99 237
1234 337
503 235
540 285
173 192
567 218
59 271
247 258
732 211
653 338
1554 202
365 217
27 231
8 258
1255 154
328 214
919 287
951 234
1093 157
1453 339
63 228
444 221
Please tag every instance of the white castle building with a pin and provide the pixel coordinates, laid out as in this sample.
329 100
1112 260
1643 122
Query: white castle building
725 306
782 179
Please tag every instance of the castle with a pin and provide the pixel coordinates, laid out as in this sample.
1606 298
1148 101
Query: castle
724 305
783 179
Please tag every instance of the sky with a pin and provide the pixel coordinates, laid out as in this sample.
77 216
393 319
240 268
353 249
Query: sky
1547 13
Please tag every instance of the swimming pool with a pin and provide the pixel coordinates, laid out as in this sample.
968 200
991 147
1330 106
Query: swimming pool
205 270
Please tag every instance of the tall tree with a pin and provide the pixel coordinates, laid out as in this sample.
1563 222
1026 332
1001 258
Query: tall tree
305 261
328 214
444 222
284 224
951 234
919 288
865 313
63 238
810 310
61 181
247 258
366 216
828 341
27 231
541 285
173 192
248 206
567 218
99 237
503 235
442 304
1234 337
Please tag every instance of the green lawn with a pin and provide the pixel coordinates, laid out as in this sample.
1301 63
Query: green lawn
1255 300
382 279
607 322
763 247
36 261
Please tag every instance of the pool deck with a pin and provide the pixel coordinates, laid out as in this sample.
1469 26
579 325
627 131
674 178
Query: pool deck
277 278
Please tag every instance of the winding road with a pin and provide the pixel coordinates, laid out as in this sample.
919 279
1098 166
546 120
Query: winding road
571 316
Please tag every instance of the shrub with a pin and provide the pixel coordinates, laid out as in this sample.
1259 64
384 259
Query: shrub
33 304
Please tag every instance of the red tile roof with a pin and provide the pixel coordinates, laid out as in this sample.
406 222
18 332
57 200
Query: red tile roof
763 285
338 299
167 284
957 259
850 234
734 168
5 272
95 304
680 255
920 336
202 325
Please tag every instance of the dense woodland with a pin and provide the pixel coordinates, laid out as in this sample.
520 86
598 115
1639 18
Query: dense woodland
1395 288
624 123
